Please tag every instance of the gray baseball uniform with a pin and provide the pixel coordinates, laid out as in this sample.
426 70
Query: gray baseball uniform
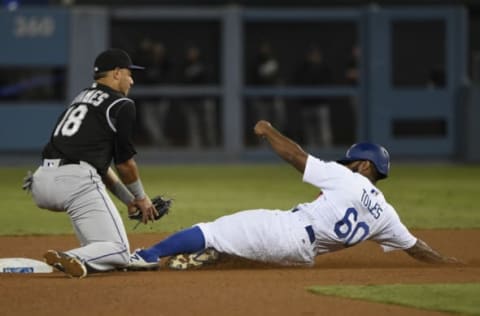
92 131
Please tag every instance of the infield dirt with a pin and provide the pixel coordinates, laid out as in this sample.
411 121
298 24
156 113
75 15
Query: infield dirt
232 287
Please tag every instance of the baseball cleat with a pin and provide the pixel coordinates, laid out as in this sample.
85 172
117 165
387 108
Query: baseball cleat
69 265
194 260
140 261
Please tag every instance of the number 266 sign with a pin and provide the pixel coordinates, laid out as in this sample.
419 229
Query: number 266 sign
34 36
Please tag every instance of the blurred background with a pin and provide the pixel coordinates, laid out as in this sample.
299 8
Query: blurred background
326 73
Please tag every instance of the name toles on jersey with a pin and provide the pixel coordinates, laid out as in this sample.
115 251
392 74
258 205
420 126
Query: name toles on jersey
374 208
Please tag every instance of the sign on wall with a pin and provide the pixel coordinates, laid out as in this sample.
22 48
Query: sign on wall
34 36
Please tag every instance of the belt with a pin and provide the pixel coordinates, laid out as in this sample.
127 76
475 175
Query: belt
311 233
309 228
59 162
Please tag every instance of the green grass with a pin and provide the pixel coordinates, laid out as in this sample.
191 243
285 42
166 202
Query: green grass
435 196
425 196
454 298
200 193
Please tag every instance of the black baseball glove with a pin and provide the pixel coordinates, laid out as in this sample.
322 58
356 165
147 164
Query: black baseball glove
162 205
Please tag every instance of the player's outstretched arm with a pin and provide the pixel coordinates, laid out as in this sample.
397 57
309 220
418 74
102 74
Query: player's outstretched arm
282 145
423 252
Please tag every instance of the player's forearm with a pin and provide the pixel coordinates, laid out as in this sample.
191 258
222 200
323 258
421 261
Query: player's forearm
283 146
128 171
289 151
116 186
110 178
422 252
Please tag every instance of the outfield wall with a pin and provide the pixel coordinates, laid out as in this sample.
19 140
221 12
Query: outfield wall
411 112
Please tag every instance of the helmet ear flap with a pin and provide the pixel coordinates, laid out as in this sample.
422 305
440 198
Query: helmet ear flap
374 170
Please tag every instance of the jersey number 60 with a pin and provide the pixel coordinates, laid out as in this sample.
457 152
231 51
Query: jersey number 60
349 229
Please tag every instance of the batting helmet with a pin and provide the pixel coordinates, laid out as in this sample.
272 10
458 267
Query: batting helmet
378 155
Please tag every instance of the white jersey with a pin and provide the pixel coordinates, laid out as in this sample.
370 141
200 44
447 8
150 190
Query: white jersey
349 210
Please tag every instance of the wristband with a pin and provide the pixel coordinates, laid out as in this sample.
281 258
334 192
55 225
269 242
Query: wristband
136 188
121 192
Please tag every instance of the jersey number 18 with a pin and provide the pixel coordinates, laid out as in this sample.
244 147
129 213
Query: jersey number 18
71 121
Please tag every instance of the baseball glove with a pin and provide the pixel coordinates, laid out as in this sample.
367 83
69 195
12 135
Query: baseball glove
162 205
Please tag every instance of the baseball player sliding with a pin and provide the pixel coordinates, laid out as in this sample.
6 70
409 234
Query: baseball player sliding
349 210
95 129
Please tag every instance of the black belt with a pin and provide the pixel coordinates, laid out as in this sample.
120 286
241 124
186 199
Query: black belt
65 161
57 162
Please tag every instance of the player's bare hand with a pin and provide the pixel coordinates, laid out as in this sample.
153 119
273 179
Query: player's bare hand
147 208
262 127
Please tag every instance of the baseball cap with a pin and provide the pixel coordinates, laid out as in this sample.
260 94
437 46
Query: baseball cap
113 58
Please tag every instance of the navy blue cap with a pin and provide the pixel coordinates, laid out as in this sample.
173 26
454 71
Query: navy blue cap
114 58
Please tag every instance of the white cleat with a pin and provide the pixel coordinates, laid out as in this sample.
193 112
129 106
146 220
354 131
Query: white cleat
139 262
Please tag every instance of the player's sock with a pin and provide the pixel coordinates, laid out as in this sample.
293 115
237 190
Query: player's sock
189 240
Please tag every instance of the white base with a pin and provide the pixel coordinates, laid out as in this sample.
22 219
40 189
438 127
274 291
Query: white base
23 265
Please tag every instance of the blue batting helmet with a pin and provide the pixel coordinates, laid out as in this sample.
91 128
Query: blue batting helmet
378 155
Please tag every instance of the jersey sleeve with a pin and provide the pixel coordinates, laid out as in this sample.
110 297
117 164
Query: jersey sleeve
395 236
125 116
323 174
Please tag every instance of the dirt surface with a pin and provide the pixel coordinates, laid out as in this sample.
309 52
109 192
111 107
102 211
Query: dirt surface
230 287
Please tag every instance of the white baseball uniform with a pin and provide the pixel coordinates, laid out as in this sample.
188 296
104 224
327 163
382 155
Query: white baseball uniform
349 210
